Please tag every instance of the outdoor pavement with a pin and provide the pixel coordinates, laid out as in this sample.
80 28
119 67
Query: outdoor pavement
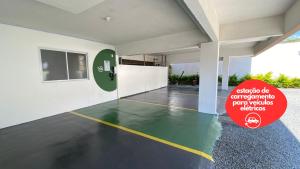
273 147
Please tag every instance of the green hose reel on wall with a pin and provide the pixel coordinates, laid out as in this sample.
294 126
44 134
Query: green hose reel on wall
104 69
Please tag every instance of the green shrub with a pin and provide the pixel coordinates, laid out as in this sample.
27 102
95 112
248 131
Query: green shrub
184 80
281 81
246 77
268 78
173 79
295 82
233 80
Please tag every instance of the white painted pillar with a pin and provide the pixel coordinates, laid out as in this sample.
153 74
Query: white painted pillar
225 72
208 84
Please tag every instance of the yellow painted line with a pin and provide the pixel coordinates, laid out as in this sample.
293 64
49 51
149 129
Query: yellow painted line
160 104
197 152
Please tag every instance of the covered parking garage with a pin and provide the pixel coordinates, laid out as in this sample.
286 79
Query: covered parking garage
53 62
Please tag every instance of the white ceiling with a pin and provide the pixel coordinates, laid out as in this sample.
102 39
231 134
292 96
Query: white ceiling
180 51
197 49
230 11
239 45
131 20
74 6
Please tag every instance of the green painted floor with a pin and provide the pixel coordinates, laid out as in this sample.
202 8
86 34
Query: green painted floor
180 126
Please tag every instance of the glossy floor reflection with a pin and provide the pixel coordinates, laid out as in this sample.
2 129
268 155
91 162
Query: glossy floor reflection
184 127
186 97
69 141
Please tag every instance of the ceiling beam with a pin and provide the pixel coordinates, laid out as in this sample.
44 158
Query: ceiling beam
292 17
252 30
291 26
163 43
194 57
204 14
227 51
190 57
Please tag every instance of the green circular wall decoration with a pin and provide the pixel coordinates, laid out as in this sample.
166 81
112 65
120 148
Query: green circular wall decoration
104 70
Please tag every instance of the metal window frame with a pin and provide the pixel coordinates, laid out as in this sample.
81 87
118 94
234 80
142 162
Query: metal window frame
66 51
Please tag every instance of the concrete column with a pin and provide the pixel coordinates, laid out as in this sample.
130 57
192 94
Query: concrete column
208 84
225 72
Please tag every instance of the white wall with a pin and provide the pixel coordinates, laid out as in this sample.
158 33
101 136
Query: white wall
137 79
283 58
188 68
183 58
23 95
238 65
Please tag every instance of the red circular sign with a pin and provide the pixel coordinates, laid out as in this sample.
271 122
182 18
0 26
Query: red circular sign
255 104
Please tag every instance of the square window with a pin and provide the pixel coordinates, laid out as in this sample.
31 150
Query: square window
54 65
77 64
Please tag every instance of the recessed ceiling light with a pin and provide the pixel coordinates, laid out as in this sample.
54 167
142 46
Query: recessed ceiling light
107 18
